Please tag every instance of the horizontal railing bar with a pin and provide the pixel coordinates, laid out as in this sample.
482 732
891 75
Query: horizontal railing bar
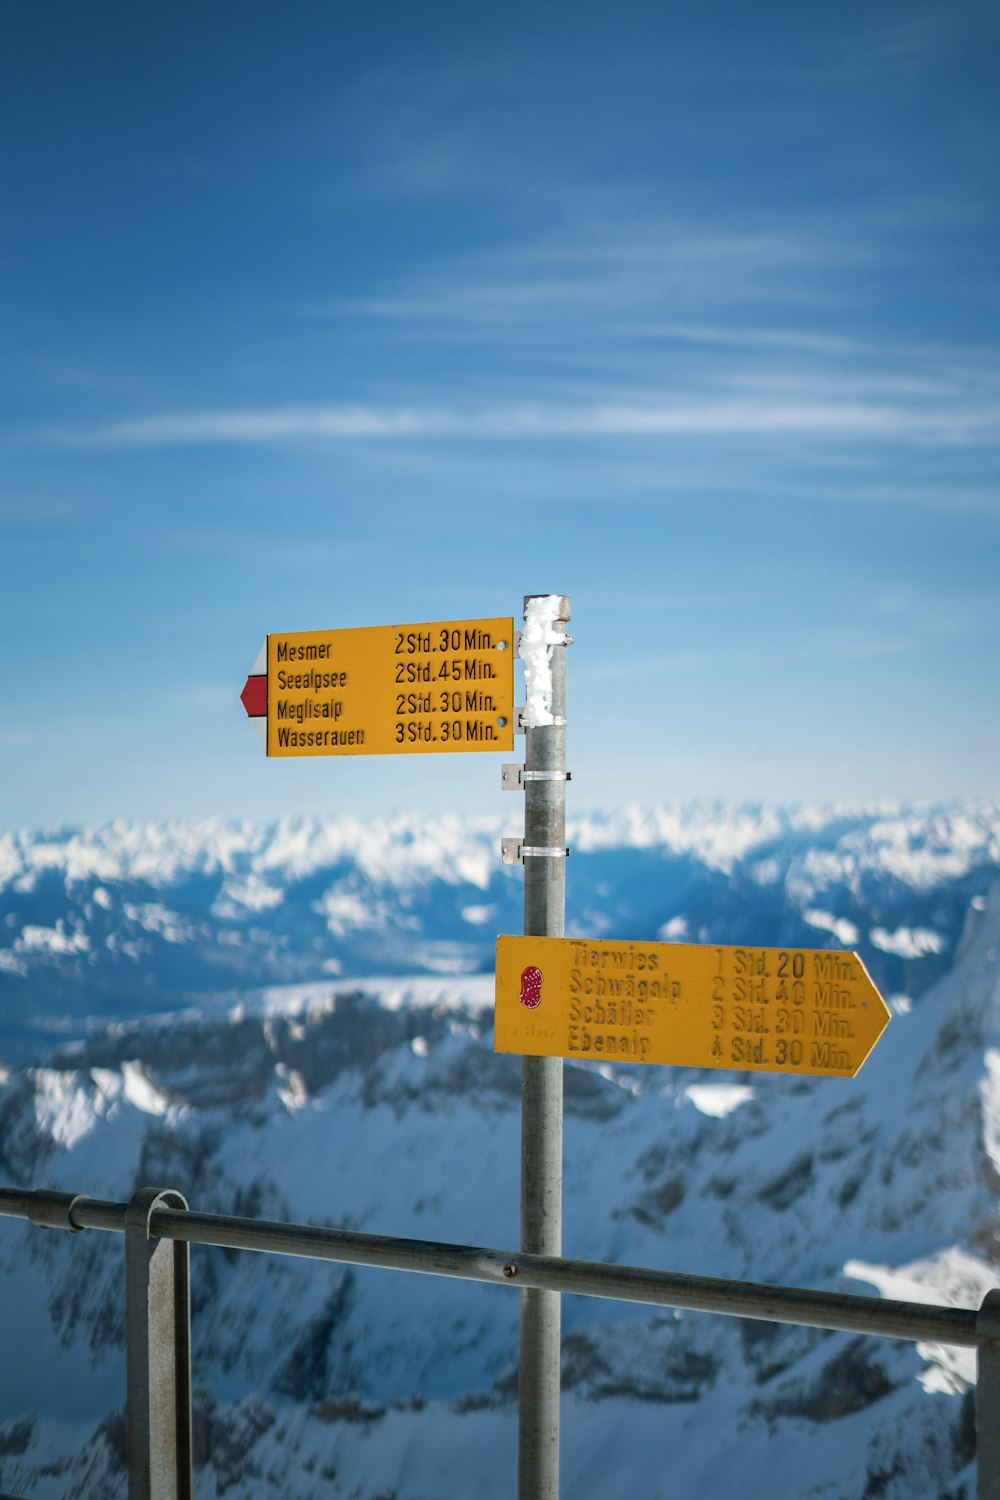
838 1311
88 1213
100 1213
14 1204
841 1312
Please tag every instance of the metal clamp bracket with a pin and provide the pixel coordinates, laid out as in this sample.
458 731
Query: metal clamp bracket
563 640
55 1210
513 776
558 721
515 852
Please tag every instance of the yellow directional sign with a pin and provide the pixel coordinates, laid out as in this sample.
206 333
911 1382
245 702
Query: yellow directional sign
387 690
770 1010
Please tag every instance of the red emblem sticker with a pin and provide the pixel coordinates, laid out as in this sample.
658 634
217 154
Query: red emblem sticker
531 987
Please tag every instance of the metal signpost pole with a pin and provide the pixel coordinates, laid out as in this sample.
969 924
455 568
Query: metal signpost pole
544 854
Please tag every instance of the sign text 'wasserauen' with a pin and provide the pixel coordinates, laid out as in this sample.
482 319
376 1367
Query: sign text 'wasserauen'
386 690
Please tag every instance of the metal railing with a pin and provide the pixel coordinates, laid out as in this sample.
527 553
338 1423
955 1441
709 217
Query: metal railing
159 1227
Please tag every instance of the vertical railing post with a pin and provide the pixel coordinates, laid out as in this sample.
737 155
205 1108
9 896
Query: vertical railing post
988 1398
542 1094
157 1354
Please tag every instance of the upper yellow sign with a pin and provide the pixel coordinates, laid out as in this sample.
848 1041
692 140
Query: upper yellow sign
392 689
770 1010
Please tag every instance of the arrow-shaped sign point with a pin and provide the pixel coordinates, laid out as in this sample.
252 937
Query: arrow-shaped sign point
254 695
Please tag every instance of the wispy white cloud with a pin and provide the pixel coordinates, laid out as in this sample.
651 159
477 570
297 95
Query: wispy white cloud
844 384
806 341
619 267
651 327
262 425
924 424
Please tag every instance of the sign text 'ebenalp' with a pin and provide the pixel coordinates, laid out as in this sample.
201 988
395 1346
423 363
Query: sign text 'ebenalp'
386 690
771 1010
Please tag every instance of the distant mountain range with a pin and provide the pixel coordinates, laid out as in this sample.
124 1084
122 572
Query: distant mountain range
378 1103
131 919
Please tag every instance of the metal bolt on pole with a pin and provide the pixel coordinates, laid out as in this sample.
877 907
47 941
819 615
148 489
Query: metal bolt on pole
988 1398
157 1354
542 1096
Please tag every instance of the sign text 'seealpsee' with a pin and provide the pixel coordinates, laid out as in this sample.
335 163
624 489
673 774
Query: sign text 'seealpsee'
392 689
772 1010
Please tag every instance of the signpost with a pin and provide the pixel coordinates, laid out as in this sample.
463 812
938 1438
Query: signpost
771 1010
543 852
386 690
449 686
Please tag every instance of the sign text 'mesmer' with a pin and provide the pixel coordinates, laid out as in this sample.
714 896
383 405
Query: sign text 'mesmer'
392 689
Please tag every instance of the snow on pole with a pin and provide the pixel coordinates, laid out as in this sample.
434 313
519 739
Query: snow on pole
538 639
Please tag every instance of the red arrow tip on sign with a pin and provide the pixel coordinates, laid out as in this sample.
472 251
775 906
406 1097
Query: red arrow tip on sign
254 697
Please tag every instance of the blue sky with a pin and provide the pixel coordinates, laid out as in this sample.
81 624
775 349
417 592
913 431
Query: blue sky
318 315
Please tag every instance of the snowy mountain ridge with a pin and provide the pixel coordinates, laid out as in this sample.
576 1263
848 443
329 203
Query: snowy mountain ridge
380 1105
919 844
398 1118
134 918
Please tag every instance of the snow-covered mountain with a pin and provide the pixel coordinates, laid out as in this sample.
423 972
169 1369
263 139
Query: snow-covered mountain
131 919
383 1107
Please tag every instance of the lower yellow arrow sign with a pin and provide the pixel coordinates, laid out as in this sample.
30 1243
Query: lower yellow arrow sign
771 1010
